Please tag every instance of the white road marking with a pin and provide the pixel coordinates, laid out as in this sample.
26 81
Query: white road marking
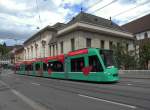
129 84
116 103
4 84
33 104
37 84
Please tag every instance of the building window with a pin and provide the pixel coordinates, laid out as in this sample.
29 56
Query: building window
95 63
50 50
102 44
36 50
72 44
25 54
32 51
56 49
127 46
53 50
29 67
28 54
43 51
88 42
62 47
118 44
145 35
110 44
77 64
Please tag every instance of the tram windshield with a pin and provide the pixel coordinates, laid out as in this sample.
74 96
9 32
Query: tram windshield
108 58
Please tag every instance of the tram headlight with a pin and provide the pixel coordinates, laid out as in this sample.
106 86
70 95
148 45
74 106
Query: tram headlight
107 73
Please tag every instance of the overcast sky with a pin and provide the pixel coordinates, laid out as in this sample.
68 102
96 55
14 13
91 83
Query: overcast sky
19 19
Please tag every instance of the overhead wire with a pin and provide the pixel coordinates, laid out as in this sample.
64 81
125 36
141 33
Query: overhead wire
131 8
104 6
136 17
89 7
38 12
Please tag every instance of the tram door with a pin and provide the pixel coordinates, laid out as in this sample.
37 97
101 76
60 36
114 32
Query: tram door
66 62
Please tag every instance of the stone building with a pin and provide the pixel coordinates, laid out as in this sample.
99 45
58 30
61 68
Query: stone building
83 31
18 54
140 27
37 46
141 30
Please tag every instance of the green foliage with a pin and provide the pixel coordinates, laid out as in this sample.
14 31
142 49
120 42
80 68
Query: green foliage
3 50
4 44
145 55
125 59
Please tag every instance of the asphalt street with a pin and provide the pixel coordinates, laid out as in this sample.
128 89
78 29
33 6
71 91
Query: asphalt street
21 92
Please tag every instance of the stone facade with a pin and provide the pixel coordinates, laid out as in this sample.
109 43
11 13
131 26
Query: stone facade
19 54
37 46
80 39
143 35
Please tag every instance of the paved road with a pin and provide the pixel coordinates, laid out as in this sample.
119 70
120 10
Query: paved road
20 92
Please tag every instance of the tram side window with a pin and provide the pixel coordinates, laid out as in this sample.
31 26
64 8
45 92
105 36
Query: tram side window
77 64
28 67
31 67
37 67
44 66
17 68
20 67
56 66
95 63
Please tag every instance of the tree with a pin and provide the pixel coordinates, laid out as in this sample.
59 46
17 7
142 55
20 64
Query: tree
145 54
4 44
125 59
3 50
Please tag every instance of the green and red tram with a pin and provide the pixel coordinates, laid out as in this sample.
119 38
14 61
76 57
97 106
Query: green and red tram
92 64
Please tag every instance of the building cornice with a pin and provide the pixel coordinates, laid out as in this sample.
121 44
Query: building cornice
94 28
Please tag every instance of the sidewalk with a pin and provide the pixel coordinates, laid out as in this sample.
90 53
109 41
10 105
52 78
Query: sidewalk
139 74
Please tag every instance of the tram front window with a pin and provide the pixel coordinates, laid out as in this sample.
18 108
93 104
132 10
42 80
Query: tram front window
108 58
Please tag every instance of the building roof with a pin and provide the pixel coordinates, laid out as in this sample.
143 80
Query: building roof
82 18
88 19
53 40
58 25
14 47
42 30
55 27
19 49
95 20
140 25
